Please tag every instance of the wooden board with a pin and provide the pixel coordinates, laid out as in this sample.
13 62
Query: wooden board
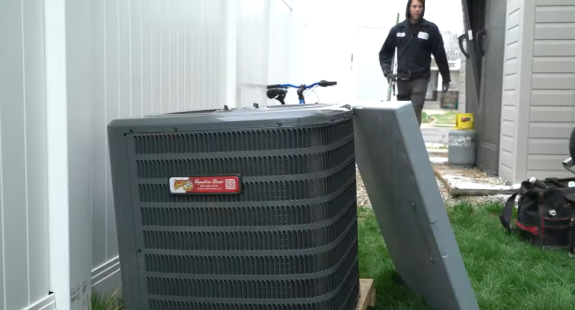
366 294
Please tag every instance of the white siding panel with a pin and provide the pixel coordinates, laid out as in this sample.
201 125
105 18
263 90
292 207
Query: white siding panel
513 6
542 3
553 48
513 18
554 64
555 31
511 66
551 114
509 98
508 113
513 35
545 162
508 146
550 130
510 82
548 146
555 14
553 97
508 128
512 50
24 277
553 81
506 158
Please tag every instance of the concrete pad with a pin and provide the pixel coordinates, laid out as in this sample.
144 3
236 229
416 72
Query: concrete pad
469 181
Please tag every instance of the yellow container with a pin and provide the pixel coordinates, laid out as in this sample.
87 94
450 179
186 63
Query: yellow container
464 121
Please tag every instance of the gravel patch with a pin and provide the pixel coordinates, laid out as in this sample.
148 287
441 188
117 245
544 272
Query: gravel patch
363 199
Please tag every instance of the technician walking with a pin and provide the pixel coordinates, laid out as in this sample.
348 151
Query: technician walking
416 39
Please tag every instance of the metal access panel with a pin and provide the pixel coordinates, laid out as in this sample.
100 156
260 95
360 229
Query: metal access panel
237 209
397 173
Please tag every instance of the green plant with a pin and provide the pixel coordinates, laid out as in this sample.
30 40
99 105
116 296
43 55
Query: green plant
424 117
97 302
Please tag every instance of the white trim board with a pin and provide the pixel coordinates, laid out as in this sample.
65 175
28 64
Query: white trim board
48 303
57 142
107 277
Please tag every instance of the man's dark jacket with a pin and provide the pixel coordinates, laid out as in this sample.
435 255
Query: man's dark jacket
415 43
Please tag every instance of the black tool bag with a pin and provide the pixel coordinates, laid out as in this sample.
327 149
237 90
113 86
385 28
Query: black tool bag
545 214
561 183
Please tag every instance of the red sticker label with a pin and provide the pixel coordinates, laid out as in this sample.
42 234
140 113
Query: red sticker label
205 185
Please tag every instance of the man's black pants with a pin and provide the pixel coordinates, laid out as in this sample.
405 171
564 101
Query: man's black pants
414 91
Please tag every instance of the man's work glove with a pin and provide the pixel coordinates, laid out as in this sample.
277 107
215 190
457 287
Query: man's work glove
389 77
445 87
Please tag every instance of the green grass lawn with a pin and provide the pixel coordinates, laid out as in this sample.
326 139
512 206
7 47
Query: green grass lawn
505 272
447 118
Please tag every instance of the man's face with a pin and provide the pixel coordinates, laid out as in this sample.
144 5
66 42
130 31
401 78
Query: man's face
415 9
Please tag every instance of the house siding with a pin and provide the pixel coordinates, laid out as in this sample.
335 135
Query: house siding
511 88
552 104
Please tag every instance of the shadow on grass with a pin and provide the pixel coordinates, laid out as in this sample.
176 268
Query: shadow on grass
375 263
392 293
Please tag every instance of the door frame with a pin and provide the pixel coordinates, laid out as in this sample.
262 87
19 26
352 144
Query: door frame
472 78
474 17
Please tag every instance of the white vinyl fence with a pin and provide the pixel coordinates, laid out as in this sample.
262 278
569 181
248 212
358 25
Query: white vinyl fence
67 68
